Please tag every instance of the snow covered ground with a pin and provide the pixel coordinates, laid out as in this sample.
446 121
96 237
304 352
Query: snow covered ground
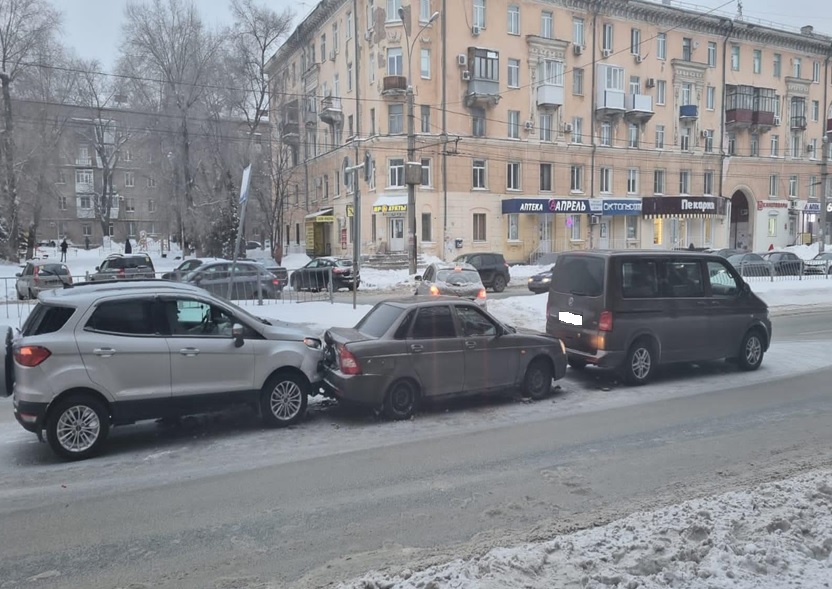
775 535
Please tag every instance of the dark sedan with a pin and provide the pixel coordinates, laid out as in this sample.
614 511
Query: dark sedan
751 265
784 263
188 266
540 282
321 273
249 280
407 350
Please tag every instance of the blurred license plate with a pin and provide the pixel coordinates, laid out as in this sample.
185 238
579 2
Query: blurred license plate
570 318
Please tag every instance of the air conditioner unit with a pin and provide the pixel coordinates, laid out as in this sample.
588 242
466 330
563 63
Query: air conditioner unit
650 83
776 120
577 49
466 75
638 58
606 52
332 55
810 148
704 133
594 219
462 60
529 125
475 30
567 127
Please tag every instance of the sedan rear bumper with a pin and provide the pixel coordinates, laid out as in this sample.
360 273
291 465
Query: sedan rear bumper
364 389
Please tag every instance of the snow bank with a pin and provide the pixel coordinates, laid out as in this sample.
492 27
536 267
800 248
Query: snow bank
805 252
792 292
775 535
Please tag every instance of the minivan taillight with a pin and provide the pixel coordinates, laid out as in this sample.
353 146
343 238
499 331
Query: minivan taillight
605 321
31 356
348 361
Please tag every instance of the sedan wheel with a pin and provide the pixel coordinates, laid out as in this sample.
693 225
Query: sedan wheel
538 380
401 401
499 283
640 363
77 427
283 400
751 351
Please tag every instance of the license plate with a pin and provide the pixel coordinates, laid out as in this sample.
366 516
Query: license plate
570 318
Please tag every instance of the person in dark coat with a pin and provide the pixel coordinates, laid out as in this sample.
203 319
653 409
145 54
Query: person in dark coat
64 247
87 243
128 249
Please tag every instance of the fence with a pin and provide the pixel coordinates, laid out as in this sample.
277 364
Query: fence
786 270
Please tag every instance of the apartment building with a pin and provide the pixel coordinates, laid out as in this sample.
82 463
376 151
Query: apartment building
546 126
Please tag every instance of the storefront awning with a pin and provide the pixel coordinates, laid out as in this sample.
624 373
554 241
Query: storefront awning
683 207
390 203
322 216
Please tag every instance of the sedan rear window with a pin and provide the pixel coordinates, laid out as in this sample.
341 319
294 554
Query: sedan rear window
579 275
379 320
46 319
458 277
58 269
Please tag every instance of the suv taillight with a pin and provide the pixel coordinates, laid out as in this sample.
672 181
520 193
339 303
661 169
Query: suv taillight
121 272
605 321
348 361
31 356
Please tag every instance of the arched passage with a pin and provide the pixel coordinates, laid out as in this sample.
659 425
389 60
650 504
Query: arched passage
741 236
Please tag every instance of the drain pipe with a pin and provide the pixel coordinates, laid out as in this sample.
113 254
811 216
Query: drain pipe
596 8
722 133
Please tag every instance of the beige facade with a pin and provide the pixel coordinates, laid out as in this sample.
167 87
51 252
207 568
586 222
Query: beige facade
551 107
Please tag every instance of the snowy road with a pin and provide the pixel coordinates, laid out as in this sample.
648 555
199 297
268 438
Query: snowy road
223 503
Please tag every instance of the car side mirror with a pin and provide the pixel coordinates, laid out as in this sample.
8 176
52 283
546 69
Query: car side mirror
98 268
19 274
746 288
237 335
417 278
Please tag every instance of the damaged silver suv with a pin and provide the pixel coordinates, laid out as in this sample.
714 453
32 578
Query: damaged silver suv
97 355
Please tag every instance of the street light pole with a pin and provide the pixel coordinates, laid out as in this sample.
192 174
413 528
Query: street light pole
824 178
410 164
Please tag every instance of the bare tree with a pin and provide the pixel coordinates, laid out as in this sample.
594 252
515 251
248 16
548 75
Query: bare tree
165 40
25 26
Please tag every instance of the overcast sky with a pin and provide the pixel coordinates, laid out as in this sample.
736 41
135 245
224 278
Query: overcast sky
93 27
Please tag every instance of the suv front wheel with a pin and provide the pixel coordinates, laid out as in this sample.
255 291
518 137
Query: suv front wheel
77 427
283 400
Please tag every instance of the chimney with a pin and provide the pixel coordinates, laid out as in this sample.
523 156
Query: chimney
807 30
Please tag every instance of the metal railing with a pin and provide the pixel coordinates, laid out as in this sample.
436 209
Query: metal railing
786 270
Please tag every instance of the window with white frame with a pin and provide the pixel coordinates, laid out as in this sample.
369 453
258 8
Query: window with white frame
129 179
60 176
151 206
478 121
815 110
661 92
755 144
813 148
632 181
86 229
479 227
632 222
545 124
613 78
797 145
424 11
711 53
395 177
708 182
395 119
735 58
575 230
350 25
479 174
513 227
83 177
513 77
813 183
62 200
775 146
605 180
659 136
687 49
635 85
323 44
513 176
84 202
546 177
792 185
661 46
577 130
550 71
757 61
797 67
772 185
394 61
578 81
684 182
547 25
606 134
349 77
513 19
576 178
816 72
709 140
427 179
424 63
687 93
710 98
393 12
777 65
607 37
632 135
514 124
578 38
424 118
658 181
372 69
479 13
772 226
635 41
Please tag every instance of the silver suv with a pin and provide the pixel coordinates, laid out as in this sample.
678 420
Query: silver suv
102 354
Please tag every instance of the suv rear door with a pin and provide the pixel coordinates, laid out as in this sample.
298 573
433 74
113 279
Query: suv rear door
576 299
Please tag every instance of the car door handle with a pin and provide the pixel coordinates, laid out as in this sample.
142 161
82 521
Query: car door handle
189 351
470 345
416 348
104 352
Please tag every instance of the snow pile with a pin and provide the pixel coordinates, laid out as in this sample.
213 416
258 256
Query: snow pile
528 312
804 252
387 279
520 274
776 535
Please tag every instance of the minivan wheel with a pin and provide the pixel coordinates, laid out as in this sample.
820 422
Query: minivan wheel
77 427
401 400
538 380
751 351
283 400
499 283
640 363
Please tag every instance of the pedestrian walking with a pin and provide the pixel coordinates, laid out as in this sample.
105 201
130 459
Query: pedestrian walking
87 242
128 249
64 247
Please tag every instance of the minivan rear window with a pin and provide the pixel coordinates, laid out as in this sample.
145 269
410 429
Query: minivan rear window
579 275
46 319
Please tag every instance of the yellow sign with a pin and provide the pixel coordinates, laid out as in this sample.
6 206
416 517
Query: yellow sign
389 208
350 211
324 219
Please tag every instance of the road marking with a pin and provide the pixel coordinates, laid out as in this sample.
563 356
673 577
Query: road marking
815 332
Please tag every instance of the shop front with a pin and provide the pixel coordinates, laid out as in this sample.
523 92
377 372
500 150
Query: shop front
392 227
677 222
319 233
618 222
808 215
776 224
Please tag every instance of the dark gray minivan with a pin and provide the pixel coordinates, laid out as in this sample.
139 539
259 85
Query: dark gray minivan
633 310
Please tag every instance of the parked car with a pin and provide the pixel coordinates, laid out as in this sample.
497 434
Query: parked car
253 245
404 351
784 263
248 280
458 279
188 266
751 265
100 355
820 264
125 267
492 267
280 273
725 252
320 273
540 282
40 275
632 311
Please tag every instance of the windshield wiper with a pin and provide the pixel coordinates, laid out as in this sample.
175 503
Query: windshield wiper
266 321
61 278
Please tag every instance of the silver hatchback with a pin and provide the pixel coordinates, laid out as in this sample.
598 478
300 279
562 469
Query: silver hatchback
98 355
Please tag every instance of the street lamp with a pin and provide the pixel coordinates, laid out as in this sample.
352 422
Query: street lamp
411 176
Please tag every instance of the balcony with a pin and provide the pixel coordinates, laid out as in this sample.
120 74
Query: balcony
798 123
83 161
310 117
84 187
739 118
639 107
688 112
763 119
290 132
114 213
549 96
483 93
610 103
393 86
331 113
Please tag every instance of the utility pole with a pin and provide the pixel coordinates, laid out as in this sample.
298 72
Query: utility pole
824 179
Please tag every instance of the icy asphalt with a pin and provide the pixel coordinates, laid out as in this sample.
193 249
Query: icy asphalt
220 502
